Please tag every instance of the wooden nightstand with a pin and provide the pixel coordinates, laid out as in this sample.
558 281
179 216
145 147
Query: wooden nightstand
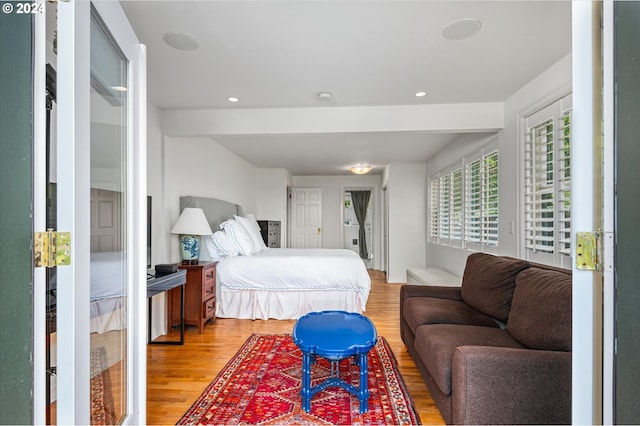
200 295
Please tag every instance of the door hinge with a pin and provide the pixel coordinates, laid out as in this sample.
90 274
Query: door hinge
51 249
589 251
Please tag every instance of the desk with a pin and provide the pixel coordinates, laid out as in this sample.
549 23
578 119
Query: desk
334 335
160 285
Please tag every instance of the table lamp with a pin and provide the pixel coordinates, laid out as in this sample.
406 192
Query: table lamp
190 225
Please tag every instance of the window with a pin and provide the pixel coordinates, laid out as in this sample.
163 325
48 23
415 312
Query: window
547 184
463 203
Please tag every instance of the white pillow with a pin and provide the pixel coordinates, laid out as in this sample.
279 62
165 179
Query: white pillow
239 236
220 246
253 229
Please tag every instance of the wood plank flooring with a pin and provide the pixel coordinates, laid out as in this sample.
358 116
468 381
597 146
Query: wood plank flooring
177 375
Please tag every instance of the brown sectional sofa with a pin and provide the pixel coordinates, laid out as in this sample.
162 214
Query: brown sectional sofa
498 349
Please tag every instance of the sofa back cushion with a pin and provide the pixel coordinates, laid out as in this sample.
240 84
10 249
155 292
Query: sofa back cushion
488 283
540 316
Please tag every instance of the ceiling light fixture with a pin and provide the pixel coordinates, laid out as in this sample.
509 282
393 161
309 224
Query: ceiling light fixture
233 99
461 29
181 41
420 94
360 169
324 96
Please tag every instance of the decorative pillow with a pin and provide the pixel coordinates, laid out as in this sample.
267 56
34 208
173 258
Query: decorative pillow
540 316
488 282
220 246
238 236
252 227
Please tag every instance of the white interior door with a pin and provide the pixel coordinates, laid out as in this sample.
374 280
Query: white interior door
305 212
101 146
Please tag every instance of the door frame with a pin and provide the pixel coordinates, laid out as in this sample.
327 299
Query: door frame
376 231
586 162
73 172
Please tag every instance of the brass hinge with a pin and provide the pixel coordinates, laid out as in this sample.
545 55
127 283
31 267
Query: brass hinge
51 249
588 251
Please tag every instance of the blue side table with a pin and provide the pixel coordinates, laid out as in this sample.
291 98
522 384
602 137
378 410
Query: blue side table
334 335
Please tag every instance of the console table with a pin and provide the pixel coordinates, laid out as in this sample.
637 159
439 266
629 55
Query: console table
161 284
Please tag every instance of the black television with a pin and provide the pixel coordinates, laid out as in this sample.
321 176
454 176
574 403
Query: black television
149 204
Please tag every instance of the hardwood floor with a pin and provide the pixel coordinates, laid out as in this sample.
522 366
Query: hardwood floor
177 375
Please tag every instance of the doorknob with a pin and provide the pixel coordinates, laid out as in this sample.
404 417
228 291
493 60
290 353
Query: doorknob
318 230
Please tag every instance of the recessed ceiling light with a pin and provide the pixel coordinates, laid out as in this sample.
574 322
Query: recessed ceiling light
181 41
461 29
420 94
232 99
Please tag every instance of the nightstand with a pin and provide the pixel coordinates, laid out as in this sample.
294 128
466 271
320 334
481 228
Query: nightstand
200 295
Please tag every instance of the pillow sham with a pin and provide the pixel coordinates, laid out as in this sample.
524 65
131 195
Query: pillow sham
220 246
252 227
238 236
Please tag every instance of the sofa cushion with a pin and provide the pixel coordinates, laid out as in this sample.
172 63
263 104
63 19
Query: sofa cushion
540 316
488 283
435 344
431 310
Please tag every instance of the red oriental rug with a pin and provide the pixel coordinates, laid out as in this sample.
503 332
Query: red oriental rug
261 385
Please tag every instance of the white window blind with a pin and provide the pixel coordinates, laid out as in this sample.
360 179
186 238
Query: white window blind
444 207
490 199
434 213
473 204
547 184
456 207
463 202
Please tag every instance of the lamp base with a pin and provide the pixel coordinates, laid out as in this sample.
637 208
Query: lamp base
190 245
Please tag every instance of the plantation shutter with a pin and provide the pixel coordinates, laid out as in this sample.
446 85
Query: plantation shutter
547 184
564 185
490 199
473 202
456 207
434 209
539 188
444 207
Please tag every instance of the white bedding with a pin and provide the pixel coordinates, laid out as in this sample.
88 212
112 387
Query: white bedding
287 283
108 289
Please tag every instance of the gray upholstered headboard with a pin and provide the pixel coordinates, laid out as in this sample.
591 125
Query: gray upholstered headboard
216 211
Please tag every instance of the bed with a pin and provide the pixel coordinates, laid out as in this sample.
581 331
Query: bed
276 283
108 292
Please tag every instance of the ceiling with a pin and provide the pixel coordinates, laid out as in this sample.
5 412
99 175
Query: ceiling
280 54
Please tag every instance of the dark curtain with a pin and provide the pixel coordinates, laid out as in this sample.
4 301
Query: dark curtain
360 203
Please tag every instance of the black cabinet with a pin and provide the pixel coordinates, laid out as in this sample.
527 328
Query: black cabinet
270 230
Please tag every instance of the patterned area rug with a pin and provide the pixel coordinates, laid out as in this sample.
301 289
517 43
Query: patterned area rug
102 408
261 386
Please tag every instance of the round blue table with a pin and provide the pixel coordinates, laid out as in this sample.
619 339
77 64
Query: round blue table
334 335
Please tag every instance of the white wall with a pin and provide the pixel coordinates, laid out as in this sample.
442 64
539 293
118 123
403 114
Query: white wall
406 187
189 166
202 167
540 92
332 207
271 198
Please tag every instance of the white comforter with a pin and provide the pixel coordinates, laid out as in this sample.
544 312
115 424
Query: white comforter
295 270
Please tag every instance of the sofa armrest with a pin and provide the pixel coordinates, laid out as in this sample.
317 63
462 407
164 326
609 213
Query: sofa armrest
441 292
492 385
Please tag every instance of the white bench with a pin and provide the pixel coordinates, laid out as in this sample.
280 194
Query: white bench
432 276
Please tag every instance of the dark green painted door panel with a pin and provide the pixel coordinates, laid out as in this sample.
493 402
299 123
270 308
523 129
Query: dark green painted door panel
16 174
627 143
